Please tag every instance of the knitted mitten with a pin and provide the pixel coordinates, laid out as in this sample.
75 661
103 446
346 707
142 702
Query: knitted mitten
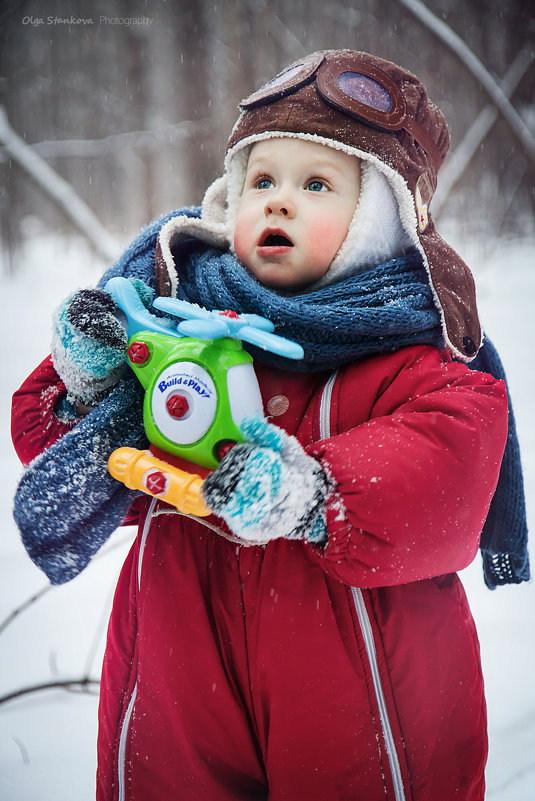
67 504
268 487
89 343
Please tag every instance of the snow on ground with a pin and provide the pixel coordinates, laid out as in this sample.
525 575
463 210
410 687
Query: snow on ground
47 739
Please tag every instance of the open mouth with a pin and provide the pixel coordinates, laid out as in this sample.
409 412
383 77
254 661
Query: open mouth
274 239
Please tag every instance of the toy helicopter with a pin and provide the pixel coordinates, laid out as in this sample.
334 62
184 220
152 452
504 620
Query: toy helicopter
199 385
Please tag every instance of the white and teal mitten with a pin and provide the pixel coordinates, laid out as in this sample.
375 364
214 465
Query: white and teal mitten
268 487
89 343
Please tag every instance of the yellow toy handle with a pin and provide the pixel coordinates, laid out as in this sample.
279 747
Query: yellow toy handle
141 470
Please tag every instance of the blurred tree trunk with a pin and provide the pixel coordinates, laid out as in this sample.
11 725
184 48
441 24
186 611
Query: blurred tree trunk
194 102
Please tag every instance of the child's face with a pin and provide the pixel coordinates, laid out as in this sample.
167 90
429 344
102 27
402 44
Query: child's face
297 203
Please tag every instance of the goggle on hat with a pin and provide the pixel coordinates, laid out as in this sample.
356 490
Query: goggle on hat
377 111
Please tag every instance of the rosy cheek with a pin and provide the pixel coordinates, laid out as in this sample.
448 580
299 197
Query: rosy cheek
325 238
242 239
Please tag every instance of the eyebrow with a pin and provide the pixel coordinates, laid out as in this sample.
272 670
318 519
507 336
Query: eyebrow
257 163
262 163
325 166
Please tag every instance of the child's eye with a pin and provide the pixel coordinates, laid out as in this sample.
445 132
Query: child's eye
263 182
316 185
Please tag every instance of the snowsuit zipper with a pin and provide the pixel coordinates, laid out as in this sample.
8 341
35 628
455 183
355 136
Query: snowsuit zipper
121 764
125 727
365 625
366 629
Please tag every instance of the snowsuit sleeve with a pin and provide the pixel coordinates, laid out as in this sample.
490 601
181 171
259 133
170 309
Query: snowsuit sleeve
67 504
34 422
414 482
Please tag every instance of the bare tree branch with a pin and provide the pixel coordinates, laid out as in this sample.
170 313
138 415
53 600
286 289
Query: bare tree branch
285 37
85 148
58 189
85 682
24 605
76 685
460 158
478 70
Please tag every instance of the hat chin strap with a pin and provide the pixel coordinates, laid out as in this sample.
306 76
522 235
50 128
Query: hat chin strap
375 233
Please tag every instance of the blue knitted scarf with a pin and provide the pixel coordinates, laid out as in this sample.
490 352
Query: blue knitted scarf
386 308
382 310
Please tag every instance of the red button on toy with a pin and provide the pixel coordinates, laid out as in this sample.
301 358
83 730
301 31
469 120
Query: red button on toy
138 352
223 447
177 405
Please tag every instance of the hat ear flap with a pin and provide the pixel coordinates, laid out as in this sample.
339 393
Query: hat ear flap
214 204
210 228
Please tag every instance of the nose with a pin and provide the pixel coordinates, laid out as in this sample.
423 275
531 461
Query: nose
281 203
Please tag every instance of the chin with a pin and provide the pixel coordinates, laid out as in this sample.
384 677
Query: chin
272 279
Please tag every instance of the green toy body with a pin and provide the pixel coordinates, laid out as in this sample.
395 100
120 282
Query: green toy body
196 393
199 381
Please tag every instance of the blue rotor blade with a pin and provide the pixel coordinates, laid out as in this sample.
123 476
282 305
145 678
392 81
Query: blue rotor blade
138 318
181 308
252 328
203 329
259 322
272 342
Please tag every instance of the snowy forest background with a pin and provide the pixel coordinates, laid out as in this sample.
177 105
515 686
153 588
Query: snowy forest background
136 117
105 125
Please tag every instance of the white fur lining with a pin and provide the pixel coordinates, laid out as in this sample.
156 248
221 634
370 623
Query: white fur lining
210 228
221 201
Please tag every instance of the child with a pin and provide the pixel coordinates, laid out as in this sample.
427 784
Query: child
335 657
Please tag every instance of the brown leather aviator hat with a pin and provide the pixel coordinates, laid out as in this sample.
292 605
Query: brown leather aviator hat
376 110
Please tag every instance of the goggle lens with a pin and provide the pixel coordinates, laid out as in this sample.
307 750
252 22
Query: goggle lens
365 90
281 80
285 82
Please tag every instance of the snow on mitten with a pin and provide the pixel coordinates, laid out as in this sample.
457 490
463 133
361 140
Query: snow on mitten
89 343
268 487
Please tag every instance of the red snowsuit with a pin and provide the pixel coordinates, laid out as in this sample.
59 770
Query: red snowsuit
297 672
